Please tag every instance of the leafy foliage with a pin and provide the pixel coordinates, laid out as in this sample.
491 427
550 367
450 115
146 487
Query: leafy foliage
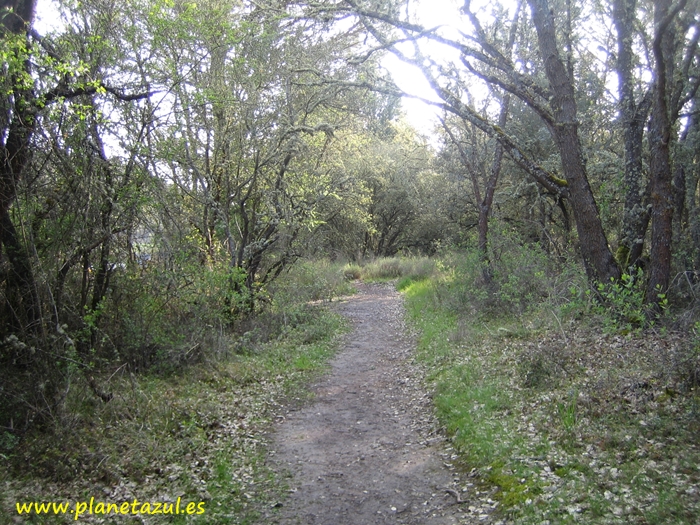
624 306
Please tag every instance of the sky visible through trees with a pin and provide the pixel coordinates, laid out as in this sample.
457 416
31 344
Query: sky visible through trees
175 176
202 149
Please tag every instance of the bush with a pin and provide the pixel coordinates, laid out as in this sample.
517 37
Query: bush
522 276
154 322
624 308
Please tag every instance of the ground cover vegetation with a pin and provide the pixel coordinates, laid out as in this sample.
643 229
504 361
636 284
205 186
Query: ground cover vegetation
191 434
170 169
566 409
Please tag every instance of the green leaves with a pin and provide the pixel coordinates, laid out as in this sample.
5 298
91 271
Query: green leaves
624 307
14 53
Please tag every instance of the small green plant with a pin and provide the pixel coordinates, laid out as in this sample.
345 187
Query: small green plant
513 489
624 308
8 442
318 280
568 412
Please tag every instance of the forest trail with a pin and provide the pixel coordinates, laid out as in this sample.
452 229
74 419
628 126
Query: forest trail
365 450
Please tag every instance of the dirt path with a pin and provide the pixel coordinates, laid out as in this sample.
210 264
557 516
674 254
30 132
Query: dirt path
365 451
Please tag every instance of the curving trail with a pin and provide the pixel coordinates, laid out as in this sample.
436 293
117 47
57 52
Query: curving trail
366 451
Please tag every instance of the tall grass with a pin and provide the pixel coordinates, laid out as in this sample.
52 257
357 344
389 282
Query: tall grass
390 268
319 280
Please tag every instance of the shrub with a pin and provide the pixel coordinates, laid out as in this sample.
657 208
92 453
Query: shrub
522 276
623 307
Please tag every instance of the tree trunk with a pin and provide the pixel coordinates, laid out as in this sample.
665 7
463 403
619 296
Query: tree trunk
485 205
490 190
635 215
24 311
661 178
598 259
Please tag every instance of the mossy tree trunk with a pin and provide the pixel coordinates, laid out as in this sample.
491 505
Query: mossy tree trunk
635 215
598 259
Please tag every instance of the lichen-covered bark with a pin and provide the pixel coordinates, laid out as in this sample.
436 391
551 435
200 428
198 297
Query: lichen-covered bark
691 166
598 259
635 216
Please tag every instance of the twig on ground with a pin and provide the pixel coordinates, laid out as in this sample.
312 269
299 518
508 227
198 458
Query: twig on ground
456 494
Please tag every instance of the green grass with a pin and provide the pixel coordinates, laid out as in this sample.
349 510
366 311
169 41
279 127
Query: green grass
196 434
568 423
472 404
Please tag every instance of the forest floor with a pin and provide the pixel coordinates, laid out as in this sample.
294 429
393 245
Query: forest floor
367 449
335 421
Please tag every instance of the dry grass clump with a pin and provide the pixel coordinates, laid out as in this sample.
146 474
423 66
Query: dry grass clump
390 268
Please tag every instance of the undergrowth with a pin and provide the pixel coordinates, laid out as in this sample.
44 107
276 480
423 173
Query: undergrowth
572 410
405 269
193 432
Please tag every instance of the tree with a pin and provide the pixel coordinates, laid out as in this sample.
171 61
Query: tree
251 132
555 104
25 106
388 196
19 121
664 113
598 259
549 77
484 205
